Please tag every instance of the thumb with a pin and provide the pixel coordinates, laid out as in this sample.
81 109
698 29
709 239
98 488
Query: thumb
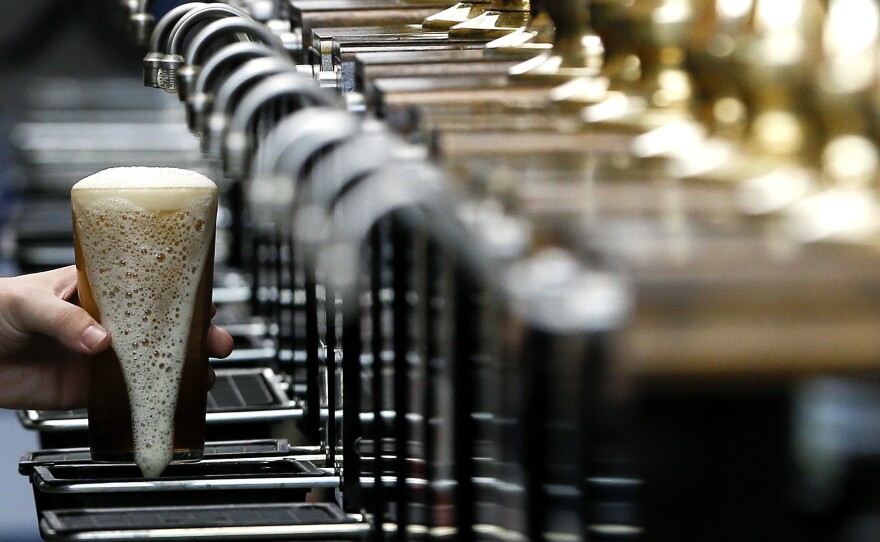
40 311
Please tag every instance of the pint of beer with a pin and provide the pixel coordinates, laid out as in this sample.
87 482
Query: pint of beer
144 241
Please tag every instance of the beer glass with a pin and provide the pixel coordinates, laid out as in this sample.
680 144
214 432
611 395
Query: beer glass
144 240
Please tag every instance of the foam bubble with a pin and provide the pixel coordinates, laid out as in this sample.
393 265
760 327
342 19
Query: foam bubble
142 254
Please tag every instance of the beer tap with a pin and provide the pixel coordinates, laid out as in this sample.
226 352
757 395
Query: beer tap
645 83
201 99
290 144
844 206
772 59
459 13
352 159
718 102
772 64
159 39
238 142
535 37
227 96
173 59
140 20
502 18
273 183
274 14
206 37
576 52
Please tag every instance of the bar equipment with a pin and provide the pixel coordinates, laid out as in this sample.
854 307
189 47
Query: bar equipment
203 40
616 288
200 99
456 14
501 18
172 60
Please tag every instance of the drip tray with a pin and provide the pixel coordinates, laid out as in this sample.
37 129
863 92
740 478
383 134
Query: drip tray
239 395
229 450
288 521
214 482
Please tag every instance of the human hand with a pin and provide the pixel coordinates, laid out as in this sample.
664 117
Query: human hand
45 340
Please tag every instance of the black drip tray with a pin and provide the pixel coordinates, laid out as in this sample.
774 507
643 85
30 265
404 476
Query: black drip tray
242 522
117 485
235 391
239 395
97 473
233 449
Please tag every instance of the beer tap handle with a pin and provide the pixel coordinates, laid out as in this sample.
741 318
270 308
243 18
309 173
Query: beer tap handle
771 57
775 82
458 13
845 81
660 30
237 143
577 51
200 44
844 205
247 75
173 59
502 18
534 38
718 103
159 39
200 100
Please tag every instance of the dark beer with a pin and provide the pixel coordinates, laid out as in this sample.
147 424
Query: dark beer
144 242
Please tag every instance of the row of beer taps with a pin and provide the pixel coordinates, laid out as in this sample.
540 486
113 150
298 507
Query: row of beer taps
767 84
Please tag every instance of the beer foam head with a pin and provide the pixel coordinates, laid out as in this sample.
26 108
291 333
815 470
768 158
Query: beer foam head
151 188
144 177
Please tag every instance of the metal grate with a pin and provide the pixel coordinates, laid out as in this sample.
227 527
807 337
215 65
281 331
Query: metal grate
65 522
217 450
233 391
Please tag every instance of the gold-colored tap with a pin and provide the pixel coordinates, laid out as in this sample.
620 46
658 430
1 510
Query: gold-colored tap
844 81
844 206
644 82
502 18
770 54
535 37
718 103
577 51
772 65
459 13
659 29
